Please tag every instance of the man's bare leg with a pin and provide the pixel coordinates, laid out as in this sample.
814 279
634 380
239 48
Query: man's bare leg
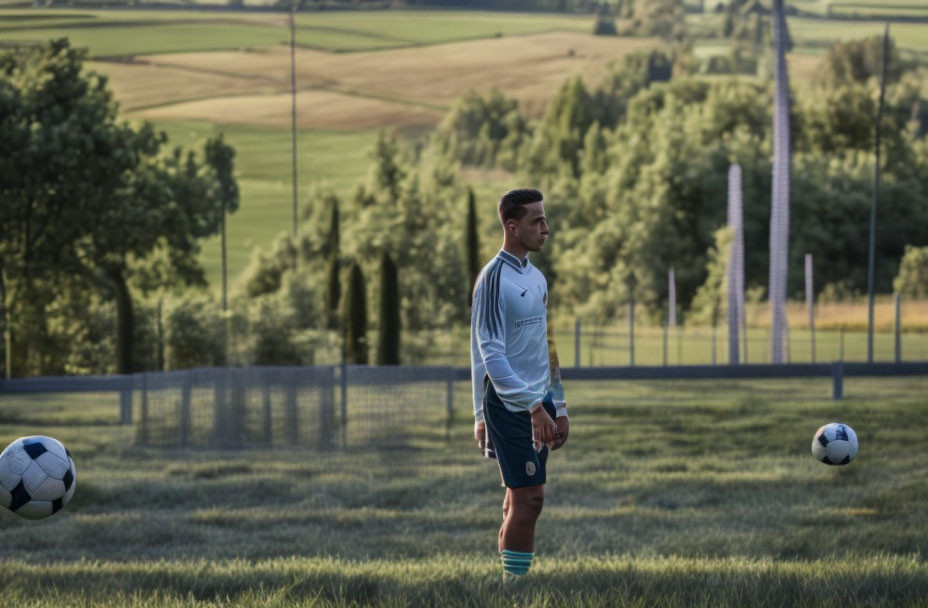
521 509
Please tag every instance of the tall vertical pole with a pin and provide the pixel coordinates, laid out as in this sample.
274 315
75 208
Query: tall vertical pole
779 216
577 343
871 258
6 318
810 303
672 303
293 115
631 331
898 327
736 318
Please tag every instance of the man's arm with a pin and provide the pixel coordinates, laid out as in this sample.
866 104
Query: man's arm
478 374
557 390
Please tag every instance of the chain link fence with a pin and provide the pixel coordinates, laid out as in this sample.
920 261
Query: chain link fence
350 408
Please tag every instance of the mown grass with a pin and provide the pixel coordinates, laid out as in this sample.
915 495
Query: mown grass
667 494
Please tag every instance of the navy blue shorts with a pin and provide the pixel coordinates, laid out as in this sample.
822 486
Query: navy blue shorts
511 434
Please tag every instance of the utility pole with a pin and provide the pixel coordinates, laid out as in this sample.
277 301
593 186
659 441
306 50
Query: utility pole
871 258
293 114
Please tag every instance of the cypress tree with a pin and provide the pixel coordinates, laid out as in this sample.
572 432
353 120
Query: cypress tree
356 318
388 349
333 286
472 243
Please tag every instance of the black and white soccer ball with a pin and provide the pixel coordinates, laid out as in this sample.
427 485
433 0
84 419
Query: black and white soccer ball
835 443
37 477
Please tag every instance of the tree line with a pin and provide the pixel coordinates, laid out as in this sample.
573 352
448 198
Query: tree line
635 173
101 221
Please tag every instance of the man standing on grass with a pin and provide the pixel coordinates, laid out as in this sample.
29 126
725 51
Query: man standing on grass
514 405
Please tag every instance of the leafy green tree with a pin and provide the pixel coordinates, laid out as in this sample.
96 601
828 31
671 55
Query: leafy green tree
711 302
193 332
88 195
176 200
265 271
664 18
388 347
483 129
386 173
912 279
63 155
271 336
558 140
858 61
418 227
604 25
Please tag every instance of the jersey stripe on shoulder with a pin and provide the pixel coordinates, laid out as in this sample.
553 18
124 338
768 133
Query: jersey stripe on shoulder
491 300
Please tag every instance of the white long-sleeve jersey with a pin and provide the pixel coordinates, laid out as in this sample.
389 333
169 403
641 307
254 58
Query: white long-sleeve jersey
509 334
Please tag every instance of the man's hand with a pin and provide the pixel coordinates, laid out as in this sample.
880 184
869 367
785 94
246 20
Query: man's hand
544 427
480 434
563 429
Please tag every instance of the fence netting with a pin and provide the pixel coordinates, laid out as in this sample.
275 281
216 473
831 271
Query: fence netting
321 408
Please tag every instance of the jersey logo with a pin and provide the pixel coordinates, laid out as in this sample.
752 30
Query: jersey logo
527 321
524 291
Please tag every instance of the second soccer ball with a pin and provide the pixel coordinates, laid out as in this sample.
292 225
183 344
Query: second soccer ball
835 443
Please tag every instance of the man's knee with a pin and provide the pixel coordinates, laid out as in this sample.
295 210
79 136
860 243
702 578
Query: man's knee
528 502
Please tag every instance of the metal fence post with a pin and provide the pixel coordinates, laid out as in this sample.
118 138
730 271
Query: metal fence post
679 333
898 328
125 402
219 402
449 401
143 412
183 430
293 432
344 383
326 408
837 379
631 332
665 345
577 343
266 418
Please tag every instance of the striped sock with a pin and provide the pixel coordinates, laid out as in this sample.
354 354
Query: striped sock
516 562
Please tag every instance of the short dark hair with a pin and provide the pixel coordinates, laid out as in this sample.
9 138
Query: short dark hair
512 205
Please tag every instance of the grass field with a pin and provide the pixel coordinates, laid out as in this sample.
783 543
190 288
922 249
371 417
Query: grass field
667 494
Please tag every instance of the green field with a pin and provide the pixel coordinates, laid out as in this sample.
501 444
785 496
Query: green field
263 167
821 33
122 33
903 8
667 494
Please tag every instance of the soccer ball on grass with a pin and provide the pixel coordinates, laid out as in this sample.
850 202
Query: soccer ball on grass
835 443
37 477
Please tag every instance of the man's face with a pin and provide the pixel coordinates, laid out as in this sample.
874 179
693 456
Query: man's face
532 229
